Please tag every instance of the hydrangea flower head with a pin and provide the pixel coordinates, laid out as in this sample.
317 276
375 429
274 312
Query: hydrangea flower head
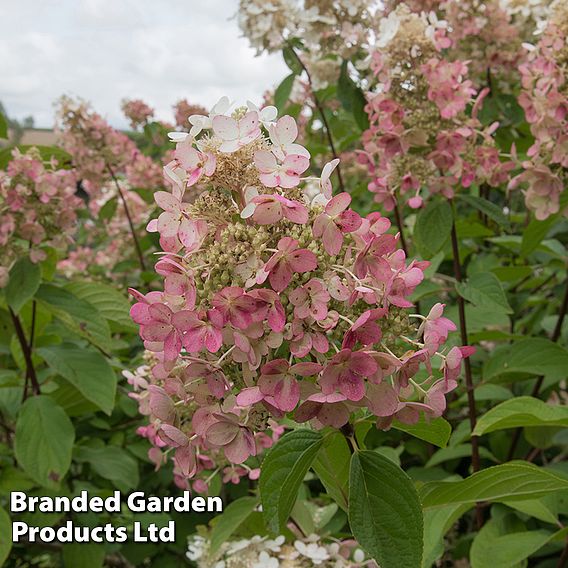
282 304
421 140
38 209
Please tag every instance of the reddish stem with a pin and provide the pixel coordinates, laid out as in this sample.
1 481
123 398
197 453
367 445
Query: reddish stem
26 350
130 223
475 462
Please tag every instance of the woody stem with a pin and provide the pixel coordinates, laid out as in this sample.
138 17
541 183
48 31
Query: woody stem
468 375
27 352
321 111
538 385
129 217
400 228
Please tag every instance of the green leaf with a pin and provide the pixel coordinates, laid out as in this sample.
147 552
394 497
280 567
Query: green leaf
484 291
87 370
437 522
108 210
83 555
78 315
486 207
535 233
332 467
537 356
233 516
384 511
4 135
302 516
520 412
282 93
49 264
352 97
25 278
109 302
433 227
491 392
537 508
71 400
456 452
505 482
435 431
282 473
112 463
490 549
292 61
5 534
44 439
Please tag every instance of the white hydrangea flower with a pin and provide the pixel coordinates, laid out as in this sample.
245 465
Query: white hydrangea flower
388 28
317 554
196 548
266 561
275 545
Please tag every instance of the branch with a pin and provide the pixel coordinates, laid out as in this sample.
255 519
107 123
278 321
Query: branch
323 117
400 228
468 375
563 561
26 350
130 223
538 385
555 336
349 433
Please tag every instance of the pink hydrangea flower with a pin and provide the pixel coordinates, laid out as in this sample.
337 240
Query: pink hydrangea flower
310 300
335 220
346 372
269 209
236 133
282 135
194 162
436 328
287 260
277 384
285 174
236 440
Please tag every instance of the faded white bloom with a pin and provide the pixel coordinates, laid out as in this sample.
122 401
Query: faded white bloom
316 553
388 29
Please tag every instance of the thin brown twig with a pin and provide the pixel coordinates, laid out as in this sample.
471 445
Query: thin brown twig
475 462
400 228
554 337
321 111
563 560
32 329
538 385
31 343
130 223
26 350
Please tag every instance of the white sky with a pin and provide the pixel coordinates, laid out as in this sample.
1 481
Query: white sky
107 50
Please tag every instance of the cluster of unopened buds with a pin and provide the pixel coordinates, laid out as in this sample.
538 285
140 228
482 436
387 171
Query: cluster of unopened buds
279 300
38 208
420 139
544 98
264 552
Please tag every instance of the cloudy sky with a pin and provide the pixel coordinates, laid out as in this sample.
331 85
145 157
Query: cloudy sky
106 50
